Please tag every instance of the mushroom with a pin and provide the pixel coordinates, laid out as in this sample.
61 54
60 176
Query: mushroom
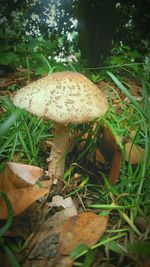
65 98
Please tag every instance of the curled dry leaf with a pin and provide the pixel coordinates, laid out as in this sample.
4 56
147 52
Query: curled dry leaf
99 156
109 143
84 228
28 173
22 198
134 153
110 148
18 175
49 262
43 249
115 167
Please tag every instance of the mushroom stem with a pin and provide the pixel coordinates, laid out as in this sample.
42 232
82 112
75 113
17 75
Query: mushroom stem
58 152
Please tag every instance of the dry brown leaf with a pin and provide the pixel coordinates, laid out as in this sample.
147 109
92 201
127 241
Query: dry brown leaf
83 228
22 198
147 262
109 143
99 156
43 249
134 153
109 149
28 173
63 261
18 175
6 83
112 152
5 92
115 167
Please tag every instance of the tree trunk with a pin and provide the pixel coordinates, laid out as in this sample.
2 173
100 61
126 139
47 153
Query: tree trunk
96 26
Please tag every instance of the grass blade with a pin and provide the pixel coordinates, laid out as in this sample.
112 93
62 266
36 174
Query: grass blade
10 214
125 91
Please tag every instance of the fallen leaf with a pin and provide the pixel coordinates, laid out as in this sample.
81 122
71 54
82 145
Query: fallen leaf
147 262
110 148
59 201
22 198
6 83
63 262
142 223
28 173
115 167
134 87
18 175
104 86
4 93
43 249
109 143
99 156
84 228
134 153
59 261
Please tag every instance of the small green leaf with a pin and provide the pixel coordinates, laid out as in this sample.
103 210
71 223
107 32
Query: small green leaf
88 258
79 250
104 213
41 70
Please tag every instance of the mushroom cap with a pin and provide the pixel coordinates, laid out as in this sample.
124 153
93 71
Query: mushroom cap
64 97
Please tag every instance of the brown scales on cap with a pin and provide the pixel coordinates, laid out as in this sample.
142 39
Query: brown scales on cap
65 98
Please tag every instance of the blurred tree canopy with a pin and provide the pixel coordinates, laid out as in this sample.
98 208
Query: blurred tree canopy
103 22
92 26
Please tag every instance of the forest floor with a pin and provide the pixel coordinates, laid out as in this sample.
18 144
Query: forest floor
101 217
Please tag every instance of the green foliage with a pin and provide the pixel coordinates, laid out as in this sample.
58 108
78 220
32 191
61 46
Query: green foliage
123 59
123 54
79 250
95 78
18 45
37 55
31 48
21 133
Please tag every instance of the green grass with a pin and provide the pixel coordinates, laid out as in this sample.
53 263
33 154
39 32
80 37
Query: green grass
22 135
130 197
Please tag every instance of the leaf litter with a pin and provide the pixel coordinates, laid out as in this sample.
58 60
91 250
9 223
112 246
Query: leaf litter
54 238
50 244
